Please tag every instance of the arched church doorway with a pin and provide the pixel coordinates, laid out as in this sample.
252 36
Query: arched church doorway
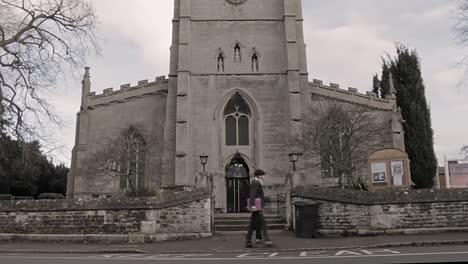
237 185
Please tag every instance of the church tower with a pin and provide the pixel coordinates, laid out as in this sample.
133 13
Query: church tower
238 69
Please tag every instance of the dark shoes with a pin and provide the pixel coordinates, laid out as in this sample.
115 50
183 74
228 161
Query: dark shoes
268 243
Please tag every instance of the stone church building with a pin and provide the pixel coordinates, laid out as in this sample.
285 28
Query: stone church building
238 90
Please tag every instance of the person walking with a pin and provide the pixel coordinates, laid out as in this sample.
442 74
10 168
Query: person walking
257 218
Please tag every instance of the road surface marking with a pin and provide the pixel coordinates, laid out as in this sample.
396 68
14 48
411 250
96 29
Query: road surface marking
265 257
313 253
250 255
376 251
347 253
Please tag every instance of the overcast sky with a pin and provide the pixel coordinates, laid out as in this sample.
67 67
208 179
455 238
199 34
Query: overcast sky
345 41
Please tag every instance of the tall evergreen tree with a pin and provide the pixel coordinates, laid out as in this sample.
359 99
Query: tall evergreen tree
26 171
385 82
419 138
376 85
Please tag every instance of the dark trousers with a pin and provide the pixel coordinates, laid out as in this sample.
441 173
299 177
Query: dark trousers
257 222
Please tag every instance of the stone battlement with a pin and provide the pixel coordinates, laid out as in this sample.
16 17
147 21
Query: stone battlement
127 87
351 95
351 91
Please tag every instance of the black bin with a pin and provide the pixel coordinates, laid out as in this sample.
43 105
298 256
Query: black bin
306 219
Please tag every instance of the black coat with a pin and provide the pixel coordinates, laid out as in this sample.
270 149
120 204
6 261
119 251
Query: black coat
256 191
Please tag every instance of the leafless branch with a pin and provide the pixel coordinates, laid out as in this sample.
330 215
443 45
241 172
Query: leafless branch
123 158
464 152
460 30
39 40
342 136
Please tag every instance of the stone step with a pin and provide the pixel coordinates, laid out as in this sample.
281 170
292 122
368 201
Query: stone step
246 221
233 228
244 232
230 217
239 222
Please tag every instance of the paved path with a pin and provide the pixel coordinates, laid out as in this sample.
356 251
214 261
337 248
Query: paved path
284 241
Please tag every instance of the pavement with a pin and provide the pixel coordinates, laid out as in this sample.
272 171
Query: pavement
233 243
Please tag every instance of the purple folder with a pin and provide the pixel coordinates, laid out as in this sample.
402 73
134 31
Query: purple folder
258 204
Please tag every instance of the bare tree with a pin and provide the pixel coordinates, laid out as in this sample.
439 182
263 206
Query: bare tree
123 159
464 152
461 26
461 34
342 136
39 40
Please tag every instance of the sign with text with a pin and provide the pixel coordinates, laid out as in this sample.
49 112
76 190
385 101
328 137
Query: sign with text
389 168
397 169
379 172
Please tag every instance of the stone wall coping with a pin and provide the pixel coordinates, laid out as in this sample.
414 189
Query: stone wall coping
128 87
164 200
382 197
351 95
350 91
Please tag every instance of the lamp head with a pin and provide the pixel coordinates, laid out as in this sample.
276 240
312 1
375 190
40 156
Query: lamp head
204 159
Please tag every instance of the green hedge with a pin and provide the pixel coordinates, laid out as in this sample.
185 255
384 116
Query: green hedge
4 197
51 196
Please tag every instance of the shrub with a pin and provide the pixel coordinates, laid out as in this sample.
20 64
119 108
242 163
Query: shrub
4 197
356 183
51 196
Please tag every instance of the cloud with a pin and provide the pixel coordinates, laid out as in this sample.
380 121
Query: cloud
145 23
341 54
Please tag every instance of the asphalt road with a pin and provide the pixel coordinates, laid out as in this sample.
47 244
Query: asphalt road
362 256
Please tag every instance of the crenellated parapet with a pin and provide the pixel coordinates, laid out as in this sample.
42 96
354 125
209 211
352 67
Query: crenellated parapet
127 92
350 95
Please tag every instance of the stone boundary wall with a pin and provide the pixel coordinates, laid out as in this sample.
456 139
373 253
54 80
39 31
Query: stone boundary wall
344 213
121 220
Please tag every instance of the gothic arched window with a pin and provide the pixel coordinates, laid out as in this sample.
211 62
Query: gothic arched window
132 146
237 122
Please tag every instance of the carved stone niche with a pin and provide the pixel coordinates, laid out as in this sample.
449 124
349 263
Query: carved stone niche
220 60
237 51
255 60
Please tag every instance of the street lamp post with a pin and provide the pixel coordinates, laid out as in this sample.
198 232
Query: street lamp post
210 184
204 160
294 157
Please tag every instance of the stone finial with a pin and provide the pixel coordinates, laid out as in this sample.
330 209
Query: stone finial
86 78
87 75
86 87
397 129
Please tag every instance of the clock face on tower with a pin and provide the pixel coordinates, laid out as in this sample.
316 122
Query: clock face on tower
236 2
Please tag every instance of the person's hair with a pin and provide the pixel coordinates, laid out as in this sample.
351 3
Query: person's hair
259 173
